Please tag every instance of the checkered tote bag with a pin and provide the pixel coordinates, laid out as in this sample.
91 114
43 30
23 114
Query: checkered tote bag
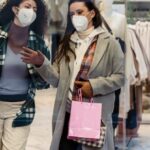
94 143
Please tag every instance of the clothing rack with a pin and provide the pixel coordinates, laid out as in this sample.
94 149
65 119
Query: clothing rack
133 20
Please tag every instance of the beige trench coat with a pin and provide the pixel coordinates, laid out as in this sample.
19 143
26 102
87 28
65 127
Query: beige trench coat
106 75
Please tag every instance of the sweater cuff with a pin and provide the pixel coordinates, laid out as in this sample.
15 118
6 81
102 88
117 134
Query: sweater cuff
45 63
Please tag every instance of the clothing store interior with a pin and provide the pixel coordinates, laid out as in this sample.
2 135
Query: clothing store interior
129 22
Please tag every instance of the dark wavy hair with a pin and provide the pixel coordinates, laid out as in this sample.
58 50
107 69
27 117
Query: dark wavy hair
38 26
65 46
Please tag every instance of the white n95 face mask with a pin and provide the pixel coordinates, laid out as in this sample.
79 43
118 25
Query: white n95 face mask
80 23
26 16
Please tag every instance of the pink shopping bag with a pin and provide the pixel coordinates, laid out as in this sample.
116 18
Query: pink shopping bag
85 120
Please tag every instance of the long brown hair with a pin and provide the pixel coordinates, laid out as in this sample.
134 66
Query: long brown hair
65 46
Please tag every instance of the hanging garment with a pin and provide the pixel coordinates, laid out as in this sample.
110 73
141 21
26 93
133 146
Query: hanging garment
143 31
143 71
122 95
147 62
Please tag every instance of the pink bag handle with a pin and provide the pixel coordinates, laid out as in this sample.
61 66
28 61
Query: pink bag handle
80 96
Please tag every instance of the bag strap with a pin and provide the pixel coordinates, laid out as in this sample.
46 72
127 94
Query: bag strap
80 96
121 42
134 99
106 25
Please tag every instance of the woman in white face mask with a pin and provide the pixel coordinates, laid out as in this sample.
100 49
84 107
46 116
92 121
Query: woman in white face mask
22 25
88 58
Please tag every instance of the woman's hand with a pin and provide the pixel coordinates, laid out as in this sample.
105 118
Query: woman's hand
85 87
32 57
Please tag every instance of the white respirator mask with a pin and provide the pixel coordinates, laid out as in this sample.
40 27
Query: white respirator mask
80 23
26 16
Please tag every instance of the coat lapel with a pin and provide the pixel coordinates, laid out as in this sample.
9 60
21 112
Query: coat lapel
101 47
72 59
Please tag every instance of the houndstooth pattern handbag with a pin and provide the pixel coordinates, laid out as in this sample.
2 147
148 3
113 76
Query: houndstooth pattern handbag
94 143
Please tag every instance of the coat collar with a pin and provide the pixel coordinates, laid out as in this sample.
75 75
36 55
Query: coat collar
101 47
75 38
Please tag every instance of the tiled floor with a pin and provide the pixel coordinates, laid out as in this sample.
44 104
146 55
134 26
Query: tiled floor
140 143
143 141
40 135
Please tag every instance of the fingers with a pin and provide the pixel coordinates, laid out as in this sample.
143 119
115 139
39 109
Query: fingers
28 50
79 84
40 53
85 87
32 57
26 61
25 58
28 53
25 54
